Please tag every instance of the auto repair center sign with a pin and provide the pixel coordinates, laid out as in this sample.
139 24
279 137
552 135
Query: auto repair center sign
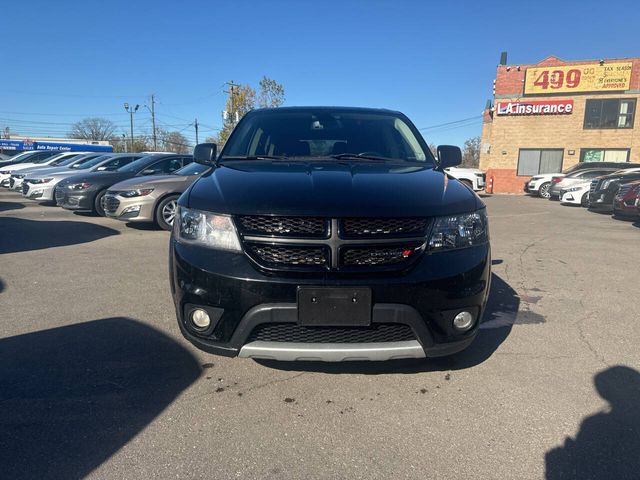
542 107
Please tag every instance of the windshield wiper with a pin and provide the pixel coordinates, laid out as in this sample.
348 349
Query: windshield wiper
255 157
360 156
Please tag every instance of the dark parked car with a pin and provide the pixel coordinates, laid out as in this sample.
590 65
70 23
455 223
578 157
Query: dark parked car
604 189
626 203
85 192
329 234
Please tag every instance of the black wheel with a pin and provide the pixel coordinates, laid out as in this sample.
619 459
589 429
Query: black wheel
543 191
166 212
98 203
584 201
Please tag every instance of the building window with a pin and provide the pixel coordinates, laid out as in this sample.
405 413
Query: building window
609 113
604 155
532 161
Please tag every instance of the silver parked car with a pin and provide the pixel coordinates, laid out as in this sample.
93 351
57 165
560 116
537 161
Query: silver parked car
41 184
150 198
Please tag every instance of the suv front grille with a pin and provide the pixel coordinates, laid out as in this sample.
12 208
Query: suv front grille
622 191
313 244
294 333
283 226
376 256
380 227
288 255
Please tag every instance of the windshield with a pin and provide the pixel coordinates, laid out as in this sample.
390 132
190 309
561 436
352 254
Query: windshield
192 169
57 159
137 165
67 160
43 159
90 162
322 133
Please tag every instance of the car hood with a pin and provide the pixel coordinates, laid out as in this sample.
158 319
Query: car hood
21 166
99 179
330 189
177 183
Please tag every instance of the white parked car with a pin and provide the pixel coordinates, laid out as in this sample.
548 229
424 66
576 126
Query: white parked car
540 184
474 178
23 169
576 194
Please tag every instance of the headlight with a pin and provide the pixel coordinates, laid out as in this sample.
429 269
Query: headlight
459 231
574 189
605 184
41 180
206 229
17 175
78 186
137 193
5 172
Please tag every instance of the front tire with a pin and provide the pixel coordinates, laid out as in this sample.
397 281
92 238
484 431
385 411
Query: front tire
543 191
166 212
584 202
98 204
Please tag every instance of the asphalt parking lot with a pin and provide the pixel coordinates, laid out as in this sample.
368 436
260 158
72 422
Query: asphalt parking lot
96 380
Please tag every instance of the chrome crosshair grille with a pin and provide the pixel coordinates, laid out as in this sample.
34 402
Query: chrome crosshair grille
318 244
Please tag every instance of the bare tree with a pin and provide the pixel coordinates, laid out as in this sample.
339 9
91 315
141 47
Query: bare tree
471 153
174 142
271 93
93 129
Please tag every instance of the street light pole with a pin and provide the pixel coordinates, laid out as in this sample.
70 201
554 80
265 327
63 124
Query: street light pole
131 111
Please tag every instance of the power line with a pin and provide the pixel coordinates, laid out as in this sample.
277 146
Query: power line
451 123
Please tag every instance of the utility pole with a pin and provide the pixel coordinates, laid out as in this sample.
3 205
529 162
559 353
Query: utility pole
153 122
152 110
196 125
232 92
131 111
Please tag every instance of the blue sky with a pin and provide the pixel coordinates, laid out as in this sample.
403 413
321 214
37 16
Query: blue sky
435 61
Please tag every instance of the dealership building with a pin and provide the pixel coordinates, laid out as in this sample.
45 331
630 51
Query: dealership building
548 116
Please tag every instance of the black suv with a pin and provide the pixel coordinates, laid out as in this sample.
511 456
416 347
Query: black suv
604 189
329 234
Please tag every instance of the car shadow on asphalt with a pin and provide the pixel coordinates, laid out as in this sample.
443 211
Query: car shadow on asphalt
22 235
6 206
500 315
608 442
72 396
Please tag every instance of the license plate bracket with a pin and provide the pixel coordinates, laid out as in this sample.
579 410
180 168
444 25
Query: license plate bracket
334 306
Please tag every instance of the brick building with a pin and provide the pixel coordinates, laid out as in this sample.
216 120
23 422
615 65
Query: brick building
546 117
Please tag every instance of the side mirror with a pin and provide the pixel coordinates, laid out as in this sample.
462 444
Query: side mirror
205 153
449 156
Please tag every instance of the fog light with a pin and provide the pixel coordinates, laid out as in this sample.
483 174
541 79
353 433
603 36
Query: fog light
200 319
132 208
463 321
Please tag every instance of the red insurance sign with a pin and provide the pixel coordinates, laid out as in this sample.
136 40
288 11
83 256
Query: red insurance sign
540 107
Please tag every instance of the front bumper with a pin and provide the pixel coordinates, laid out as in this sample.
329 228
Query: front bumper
38 191
79 201
15 184
601 200
623 209
239 298
530 187
134 209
